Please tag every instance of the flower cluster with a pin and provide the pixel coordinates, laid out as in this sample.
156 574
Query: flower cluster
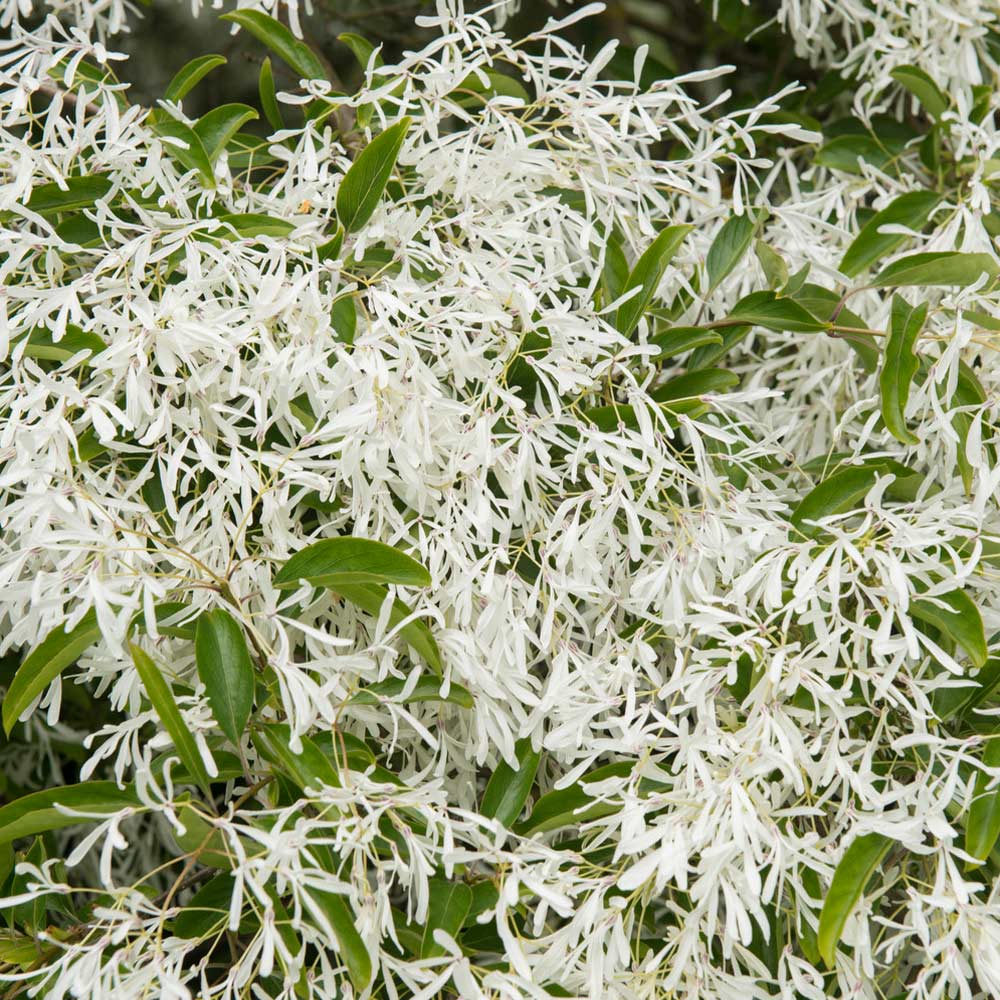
512 530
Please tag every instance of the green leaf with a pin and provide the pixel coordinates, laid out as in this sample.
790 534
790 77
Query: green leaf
853 872
207 912
281 41
371 596
361 47
772 264
728 248
845 152
910 210
191 154
496 85
249 224
218 126
767 310
45 663
646 276
74 194
310 768
334 562
362 186
449 904
509 787
695 384
269 97
923 88
959 619
983 826
956 701
681 339
822 303
224 667
333 912
42 345
425 689
37 812
344 318
968 392
169 714
614 273
899 366
203 840
927 269
190 74
835 495
572 805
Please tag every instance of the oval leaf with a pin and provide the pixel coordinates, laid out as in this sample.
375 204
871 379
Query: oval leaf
767 310
646 276
449 905
849 880
927 269
44 663
74 193
218 126
362 187
224 667
37 812
371 596
899 366
923 88
190 74
425 689
281 41
347 560
958 618
568 806
728 248
983 826
835 495
509 787
910 210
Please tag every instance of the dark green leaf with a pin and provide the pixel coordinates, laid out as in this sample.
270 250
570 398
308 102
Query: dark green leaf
250 224
371 596
425 689
166 708
728 248
74 340
959 619
983 826
646 276
207 912
334 562
845 152
344 318
190 74
681 339
509 787
336 915
362 186
185 146
696 384
910 210
218 126
45 663
835 495
572 805
361 47
37 812
899 366
281 41
927 269
74 194
224 667
449 904
923 88
767 310
268 96
849 880
310 768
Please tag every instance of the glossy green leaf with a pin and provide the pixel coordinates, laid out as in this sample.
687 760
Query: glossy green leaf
249 224
928 269
310 768
185 146
983 826
495 85
853 873
728 248
281 41
910 210
190 75
363 49
268 96
847 152
956 701
335 916
958 618
783 314
74 194
646 276
371 596
169 714
509 787
218 126
835 495
572 805
206 913
45 663
695 384
37 812
681 339
334 562
899 366
447 909
225 669
918 83
344 319
364 183
614 273
41 344
772 264
425 689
